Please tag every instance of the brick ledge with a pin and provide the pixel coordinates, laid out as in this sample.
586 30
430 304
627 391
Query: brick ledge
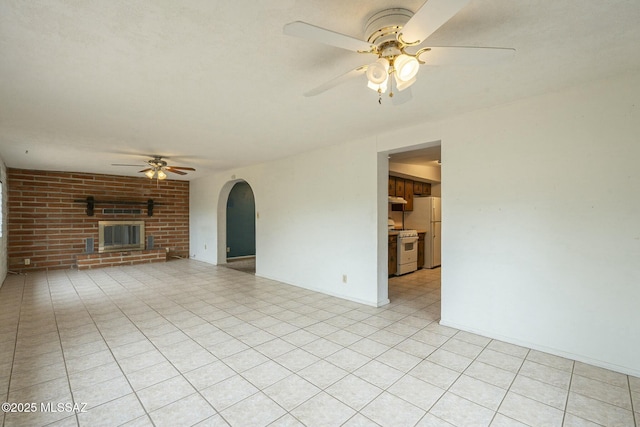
112 259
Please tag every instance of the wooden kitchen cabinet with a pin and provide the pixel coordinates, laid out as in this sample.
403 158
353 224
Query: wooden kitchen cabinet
426 189
393 255
417 187
408 195
392 185
399 187
421 249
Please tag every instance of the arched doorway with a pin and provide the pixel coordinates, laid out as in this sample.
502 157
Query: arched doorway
241 227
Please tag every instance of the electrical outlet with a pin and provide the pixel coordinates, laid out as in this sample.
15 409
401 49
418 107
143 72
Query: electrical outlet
167 250
27 261
228 249
344 278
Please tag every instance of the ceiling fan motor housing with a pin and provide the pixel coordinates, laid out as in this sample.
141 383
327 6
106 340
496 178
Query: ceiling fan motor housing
383 27
157 162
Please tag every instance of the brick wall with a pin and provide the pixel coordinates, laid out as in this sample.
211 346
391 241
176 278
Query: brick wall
48 228
110 259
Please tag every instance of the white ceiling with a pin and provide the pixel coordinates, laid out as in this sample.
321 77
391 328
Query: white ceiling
215 84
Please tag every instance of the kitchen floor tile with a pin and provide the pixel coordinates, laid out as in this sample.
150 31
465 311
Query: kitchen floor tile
597 411
161 394
490 374
257 410
542 392
529 411
598 390
500 360
222 350
399 359
389 410
291 391
461 412
354 391
228 392
112 413
322 373
186 411
419 393
434 374
266 374
348 359
546 374
323 410
477 391
379 374
450 360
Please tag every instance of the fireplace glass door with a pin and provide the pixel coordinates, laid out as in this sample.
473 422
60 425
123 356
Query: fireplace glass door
120 235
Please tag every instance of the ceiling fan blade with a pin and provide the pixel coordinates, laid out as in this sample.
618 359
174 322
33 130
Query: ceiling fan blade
401 97
169 169
145 170
337 81
180 167
431 16
322 35
465 55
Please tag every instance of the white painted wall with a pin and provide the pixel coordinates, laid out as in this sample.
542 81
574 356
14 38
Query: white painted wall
541 237
317 219
541 222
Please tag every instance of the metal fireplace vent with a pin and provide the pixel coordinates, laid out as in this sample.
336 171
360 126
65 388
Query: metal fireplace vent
110 211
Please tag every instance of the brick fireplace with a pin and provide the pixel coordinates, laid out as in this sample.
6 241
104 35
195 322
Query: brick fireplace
48 225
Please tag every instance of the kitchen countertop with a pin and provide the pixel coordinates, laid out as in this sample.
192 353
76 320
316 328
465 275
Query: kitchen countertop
395 232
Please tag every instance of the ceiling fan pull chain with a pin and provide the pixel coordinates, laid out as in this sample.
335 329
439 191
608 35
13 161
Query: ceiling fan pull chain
379 96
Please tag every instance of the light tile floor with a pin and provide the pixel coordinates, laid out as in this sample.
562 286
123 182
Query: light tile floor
186 343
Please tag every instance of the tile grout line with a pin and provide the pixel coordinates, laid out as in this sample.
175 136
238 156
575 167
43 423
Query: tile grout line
217 359
183 374
15 346
524 359
566 402
633 412
108 346
64 359
180 373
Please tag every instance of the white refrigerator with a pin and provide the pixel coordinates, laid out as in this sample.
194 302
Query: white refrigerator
426 215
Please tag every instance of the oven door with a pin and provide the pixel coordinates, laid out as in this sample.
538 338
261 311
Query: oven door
407 249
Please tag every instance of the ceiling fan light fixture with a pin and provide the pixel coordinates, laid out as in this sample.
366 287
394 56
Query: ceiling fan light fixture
161 174
406 67
150 173
382 88
403 84
378 71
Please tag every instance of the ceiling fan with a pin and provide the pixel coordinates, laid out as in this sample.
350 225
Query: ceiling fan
157 168
396 37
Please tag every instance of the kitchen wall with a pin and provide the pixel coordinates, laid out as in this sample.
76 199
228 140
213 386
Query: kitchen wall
46 226
317 219
426 172
542 240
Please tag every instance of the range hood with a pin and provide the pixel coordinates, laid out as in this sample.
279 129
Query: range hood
397 200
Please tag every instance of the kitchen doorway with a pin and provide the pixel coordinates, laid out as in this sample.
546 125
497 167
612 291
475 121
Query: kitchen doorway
416 165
